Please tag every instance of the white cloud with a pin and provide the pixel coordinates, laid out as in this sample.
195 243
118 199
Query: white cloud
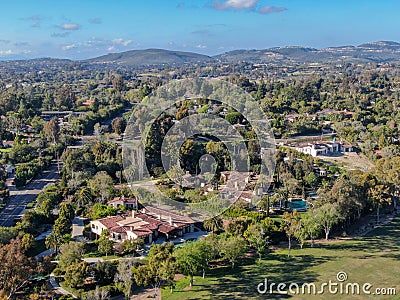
12 52
122 42
69 47
270 9
249 5
235 4
92 44
6 52
70 26
200 46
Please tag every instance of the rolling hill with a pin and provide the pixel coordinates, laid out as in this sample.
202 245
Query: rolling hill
151 57
383 51
370 52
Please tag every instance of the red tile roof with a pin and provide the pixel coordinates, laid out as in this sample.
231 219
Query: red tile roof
120 229
142 231
124 200
150 217
175 217
110 222
165 228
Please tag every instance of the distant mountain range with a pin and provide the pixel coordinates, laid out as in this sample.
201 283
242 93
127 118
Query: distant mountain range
383 51
370 52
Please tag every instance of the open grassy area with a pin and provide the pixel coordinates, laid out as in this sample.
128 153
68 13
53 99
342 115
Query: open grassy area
374 258
349 161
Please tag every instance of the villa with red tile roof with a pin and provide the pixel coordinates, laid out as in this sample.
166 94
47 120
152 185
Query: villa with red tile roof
148 224
128 203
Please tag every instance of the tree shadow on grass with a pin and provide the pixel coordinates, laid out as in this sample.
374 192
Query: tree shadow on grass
380 239
242 282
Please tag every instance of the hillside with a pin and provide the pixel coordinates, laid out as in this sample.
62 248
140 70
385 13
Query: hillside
151 57
370 52
375 52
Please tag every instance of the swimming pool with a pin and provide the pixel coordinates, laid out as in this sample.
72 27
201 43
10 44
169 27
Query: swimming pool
298 204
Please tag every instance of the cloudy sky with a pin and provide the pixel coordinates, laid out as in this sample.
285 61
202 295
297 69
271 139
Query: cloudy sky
88 28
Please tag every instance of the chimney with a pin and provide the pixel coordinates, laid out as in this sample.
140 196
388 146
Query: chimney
159 216
170 220
133 213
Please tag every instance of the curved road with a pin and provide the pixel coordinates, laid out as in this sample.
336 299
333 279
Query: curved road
19 198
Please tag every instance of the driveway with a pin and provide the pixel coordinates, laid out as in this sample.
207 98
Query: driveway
188 236
58 288
77 228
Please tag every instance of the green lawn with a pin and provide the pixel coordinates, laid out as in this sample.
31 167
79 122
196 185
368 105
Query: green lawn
73 291
373 259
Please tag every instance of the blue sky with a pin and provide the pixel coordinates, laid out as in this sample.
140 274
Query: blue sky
88 28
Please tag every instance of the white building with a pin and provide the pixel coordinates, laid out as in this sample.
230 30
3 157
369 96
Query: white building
319 149
128 203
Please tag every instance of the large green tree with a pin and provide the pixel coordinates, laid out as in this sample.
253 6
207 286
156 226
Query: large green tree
290 224
232 248
190 260
328 215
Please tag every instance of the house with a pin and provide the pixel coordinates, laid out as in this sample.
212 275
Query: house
346 148
148 224
322 172
312 149
8 144
324 148
9 169
88 102
292 118
128 203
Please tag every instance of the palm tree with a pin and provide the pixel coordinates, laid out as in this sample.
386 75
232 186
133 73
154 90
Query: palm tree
213 224
53 240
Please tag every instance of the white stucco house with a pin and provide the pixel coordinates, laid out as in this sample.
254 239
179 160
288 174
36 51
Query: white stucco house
319 149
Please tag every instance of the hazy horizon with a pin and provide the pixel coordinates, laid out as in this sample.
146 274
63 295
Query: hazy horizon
86 29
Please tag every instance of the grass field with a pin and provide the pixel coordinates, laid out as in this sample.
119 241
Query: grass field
349 161
374 259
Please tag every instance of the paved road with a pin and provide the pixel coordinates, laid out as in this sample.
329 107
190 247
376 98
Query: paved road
19 198
45 253
43 235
